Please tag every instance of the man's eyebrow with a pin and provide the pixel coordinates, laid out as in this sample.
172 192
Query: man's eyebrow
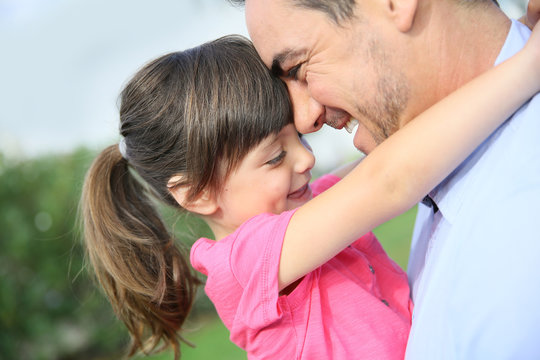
283 57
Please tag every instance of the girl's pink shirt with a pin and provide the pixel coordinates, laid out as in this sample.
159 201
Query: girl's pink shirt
356 306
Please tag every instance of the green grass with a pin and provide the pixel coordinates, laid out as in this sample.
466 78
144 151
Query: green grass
395 236
212 338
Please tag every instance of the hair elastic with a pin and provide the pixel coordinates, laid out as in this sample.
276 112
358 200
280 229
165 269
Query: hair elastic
122 148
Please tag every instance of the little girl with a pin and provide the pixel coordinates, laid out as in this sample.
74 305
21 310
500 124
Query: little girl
292 276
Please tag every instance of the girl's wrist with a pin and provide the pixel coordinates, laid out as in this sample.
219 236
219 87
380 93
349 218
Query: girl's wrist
527 61
531 55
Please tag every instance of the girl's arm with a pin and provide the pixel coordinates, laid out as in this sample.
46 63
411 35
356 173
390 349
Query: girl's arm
344 170
406 166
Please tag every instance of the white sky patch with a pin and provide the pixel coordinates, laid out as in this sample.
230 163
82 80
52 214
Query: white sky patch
64 62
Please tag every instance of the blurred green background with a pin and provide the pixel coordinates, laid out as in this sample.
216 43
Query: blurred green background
61 75
49 306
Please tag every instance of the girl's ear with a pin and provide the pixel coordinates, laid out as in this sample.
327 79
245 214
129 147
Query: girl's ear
203 204
403 13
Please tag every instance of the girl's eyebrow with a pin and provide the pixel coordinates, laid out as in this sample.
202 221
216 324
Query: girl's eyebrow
266 146
260 153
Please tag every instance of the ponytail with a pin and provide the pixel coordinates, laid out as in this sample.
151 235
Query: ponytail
179 114
146 277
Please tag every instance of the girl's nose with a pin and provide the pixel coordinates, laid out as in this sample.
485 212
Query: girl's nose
305 159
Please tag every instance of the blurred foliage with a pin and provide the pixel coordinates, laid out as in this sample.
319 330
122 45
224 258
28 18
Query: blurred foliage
395 236
50 308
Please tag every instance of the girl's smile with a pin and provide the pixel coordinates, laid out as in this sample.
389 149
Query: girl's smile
303 194
273 177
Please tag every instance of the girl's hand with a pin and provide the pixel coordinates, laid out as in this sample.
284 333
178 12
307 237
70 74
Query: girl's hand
533 14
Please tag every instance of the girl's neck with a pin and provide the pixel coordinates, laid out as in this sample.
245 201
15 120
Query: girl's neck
218 227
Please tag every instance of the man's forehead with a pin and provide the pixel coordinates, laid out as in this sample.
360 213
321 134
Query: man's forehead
271 31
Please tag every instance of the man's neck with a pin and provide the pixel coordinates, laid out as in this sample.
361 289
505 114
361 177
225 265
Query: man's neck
455 45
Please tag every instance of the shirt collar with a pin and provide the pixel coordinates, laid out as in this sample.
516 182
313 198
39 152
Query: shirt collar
453 192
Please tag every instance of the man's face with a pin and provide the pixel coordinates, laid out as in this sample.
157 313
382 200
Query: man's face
333 72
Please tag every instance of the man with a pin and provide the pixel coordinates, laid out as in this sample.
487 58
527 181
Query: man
473 266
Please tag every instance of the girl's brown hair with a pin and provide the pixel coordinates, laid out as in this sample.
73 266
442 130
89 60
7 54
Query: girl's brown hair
186 113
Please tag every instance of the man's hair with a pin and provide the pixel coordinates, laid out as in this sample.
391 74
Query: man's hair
337 10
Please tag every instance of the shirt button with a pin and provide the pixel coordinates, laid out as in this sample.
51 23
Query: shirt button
371 269
385 302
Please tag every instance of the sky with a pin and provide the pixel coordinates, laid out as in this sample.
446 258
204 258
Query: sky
64 63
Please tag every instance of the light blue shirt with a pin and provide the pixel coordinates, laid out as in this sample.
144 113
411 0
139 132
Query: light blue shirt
474 267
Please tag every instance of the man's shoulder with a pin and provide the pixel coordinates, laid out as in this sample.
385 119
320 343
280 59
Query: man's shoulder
530 111
522 130
508 165
501 167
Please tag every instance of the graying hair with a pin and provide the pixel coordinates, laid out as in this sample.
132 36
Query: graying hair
339 10
336 10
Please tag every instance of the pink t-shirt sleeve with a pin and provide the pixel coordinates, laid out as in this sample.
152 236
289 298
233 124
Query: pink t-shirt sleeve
250 258
323 183
242 283
255 265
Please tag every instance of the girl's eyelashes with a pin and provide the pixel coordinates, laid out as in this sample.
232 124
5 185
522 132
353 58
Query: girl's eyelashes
277 159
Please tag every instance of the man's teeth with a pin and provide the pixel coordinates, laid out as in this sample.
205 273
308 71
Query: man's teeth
349 126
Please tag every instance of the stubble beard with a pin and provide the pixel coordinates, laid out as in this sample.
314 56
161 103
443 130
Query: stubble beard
383 112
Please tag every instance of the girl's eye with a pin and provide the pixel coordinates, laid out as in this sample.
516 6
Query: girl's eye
277 159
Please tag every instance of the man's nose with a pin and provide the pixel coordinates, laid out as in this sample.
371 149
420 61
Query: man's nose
308 113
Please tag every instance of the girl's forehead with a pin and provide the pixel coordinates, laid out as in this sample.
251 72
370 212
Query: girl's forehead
265 146
269 144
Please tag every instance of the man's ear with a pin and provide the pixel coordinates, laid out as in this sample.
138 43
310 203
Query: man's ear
203 204
403 13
